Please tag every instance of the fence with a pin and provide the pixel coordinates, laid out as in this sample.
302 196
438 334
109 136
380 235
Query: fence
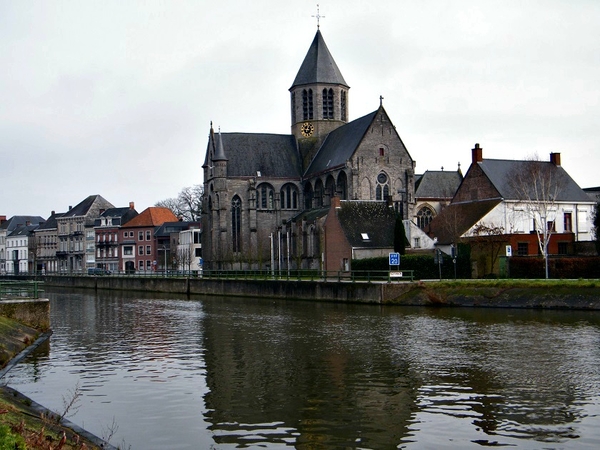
20 289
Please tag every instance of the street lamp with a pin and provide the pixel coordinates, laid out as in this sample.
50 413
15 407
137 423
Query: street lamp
164 248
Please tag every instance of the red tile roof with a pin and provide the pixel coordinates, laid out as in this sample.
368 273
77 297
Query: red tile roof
152 217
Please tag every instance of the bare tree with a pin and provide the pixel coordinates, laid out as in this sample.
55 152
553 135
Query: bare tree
187 205
536 185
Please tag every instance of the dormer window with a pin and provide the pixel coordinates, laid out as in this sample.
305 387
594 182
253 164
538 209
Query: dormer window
365 236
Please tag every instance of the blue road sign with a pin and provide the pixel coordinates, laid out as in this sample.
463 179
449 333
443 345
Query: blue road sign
394 259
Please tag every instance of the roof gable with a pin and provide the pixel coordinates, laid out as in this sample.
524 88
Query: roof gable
152 217
502 172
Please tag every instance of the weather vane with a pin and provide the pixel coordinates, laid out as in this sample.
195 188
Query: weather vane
318 16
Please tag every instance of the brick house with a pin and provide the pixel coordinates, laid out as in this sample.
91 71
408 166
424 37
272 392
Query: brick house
140 251
489 210
107 235
357 230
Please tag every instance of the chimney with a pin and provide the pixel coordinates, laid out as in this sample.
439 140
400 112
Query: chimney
2 219
131 205
335 202
476 154
555 158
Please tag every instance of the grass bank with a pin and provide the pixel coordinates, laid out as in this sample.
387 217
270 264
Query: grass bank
23 423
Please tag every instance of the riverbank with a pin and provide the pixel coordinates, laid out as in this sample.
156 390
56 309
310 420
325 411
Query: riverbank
24 423
504 293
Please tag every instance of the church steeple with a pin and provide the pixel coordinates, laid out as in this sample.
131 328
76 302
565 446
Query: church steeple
319 94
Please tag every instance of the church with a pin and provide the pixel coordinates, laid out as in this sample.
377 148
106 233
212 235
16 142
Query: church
267 196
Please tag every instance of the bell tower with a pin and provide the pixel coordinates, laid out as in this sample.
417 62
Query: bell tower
319 96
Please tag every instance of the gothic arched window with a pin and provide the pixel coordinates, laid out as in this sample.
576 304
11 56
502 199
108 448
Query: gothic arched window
382 189
424 217
265 197
236 224
307 104
289 197
319 194
342 185
327 103
308 196
343 106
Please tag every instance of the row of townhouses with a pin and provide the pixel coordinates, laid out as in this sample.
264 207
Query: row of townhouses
96 237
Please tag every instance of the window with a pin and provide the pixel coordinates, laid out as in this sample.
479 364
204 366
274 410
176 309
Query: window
568 222
563 248
343 106
327 103
381 151
289 197
140 265
382 190
140 250
127 250
424 217
551 226
236 223
148 249
148 264
148 235
307 104
417 243
522 249
265 198
140 235
197 252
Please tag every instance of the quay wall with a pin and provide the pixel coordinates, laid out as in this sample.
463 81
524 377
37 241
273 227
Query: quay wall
34 313
503 295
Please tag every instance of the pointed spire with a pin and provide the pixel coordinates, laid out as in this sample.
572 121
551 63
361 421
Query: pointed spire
220 153
318 65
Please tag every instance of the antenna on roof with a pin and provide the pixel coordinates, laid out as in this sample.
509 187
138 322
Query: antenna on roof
318 17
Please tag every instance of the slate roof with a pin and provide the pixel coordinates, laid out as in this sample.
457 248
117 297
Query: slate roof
318 65
340 144
457 218
152 217
437 184
83 207
50 224
23 230
273 155
120 216
376 219
11 224
500 172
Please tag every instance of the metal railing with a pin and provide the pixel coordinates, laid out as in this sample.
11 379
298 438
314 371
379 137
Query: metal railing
20 289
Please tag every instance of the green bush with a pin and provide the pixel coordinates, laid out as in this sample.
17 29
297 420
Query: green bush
566 267
423 265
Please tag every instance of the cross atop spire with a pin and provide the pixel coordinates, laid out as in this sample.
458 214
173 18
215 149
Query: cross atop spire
381 100
318 17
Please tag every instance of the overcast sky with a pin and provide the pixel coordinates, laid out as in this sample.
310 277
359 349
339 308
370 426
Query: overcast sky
116 97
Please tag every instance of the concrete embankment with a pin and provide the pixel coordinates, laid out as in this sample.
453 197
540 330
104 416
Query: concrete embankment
558 294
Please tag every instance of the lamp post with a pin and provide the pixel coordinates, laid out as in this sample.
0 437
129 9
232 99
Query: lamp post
164 248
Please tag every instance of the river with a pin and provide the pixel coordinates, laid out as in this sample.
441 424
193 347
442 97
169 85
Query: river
156 372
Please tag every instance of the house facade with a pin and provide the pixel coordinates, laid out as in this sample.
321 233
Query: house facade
517 204
140 252
107 236
76 248
46 238
7 226
267 194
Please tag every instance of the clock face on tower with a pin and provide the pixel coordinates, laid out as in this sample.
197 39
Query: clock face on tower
307 129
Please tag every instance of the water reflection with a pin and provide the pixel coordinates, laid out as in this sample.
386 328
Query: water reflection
249 373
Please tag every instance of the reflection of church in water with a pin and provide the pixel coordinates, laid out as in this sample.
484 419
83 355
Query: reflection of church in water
267 195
